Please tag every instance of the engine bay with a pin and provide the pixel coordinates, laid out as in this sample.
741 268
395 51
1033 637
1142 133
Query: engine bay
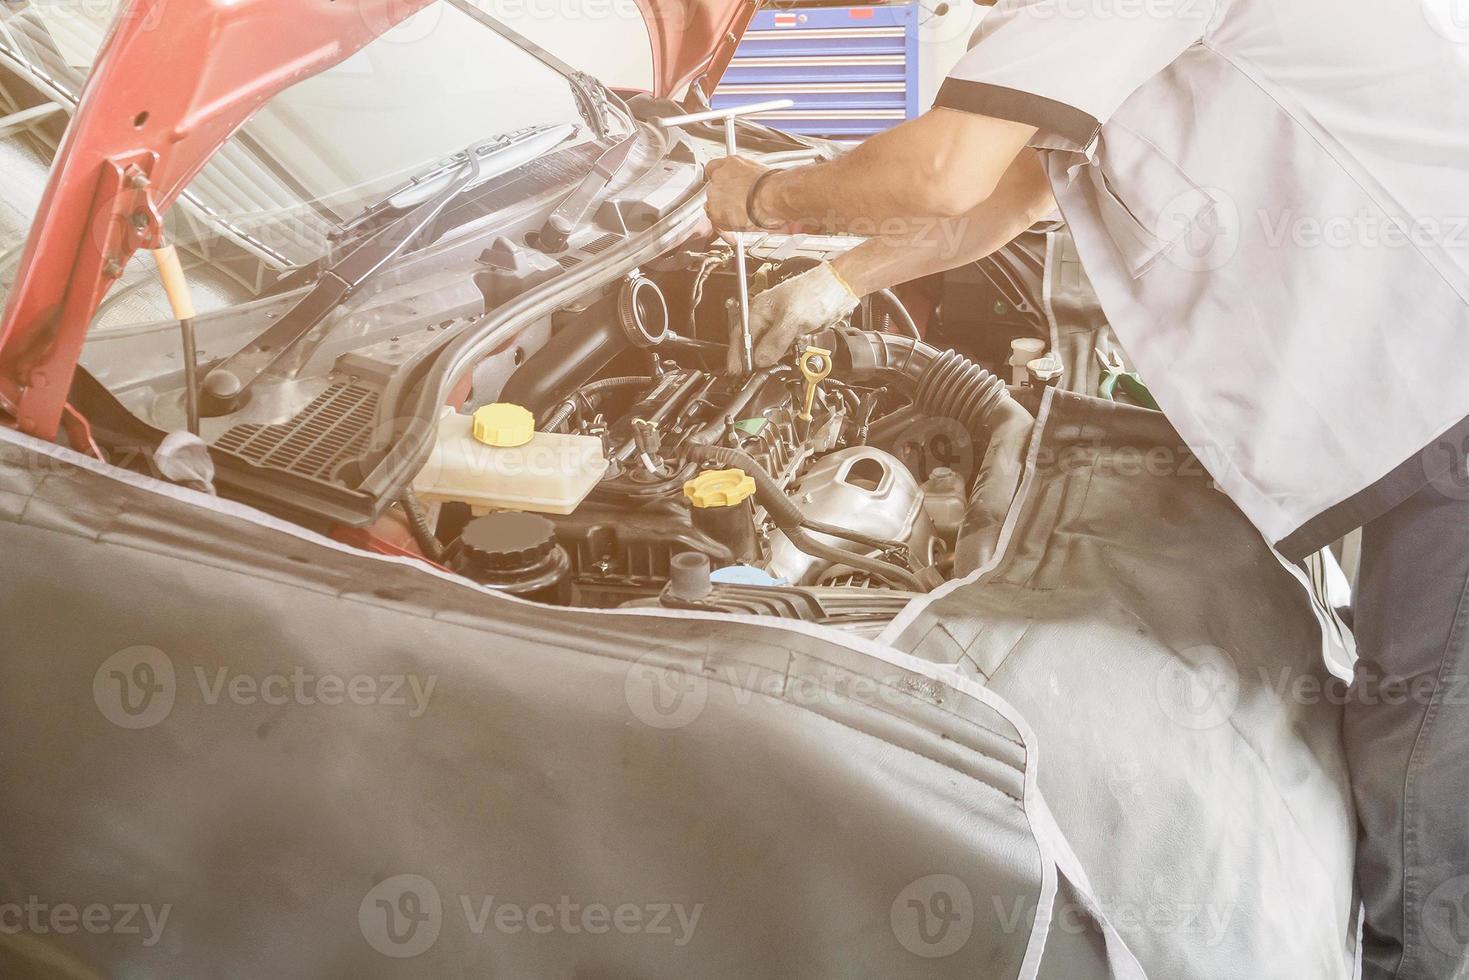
620 464
552 416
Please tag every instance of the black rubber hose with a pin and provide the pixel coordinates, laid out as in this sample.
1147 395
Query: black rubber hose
561 412
788 517
899 578
428 543
881 544
887 429
940 383
899 311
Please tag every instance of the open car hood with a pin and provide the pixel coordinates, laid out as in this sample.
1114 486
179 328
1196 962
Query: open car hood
169 86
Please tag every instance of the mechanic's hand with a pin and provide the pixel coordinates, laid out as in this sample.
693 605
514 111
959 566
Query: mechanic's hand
729 181
800 305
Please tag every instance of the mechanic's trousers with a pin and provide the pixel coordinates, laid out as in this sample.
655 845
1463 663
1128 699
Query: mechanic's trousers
1407 737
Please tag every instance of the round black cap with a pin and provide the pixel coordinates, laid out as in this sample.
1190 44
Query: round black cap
508 541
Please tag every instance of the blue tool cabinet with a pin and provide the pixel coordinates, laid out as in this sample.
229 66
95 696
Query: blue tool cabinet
852 71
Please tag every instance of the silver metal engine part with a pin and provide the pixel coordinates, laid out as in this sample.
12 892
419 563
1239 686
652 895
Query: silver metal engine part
860 489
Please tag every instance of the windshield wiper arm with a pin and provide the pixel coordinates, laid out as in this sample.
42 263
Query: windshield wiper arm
572 210
508 151
227 385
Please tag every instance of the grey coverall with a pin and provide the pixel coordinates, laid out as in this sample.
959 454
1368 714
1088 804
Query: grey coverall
1271 198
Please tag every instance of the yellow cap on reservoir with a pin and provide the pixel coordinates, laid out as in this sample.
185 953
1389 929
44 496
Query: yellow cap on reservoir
719 488
504 425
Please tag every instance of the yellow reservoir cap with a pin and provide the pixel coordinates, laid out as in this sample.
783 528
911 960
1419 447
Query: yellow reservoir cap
504 425
719 488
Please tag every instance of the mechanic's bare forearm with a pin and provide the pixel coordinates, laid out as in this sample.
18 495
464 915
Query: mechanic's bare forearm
942 164
1022 197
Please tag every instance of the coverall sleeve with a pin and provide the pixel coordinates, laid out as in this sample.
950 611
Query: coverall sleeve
1064 66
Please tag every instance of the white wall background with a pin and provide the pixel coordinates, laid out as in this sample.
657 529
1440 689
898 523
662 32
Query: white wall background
942 39
605 38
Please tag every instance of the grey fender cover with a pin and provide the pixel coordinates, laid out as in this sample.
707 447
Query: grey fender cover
232 748
1172 667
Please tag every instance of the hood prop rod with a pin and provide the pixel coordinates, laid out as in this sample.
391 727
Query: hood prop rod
176 286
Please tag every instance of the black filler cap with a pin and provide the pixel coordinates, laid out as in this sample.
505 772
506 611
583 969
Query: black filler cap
507 541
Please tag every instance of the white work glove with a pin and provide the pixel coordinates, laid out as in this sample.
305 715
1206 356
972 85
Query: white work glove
802 304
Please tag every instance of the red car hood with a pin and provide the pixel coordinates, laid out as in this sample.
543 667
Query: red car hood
171 83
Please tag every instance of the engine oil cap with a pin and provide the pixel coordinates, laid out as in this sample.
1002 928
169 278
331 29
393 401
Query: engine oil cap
719 488
507 541
504 425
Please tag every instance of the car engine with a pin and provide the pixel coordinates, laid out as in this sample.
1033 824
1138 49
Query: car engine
620 464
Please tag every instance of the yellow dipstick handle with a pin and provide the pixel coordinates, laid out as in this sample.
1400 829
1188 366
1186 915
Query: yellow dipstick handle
815 365
174 283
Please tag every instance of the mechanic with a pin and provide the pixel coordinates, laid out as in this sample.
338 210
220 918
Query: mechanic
1270 199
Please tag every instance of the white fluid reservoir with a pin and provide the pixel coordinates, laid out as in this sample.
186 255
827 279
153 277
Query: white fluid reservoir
551 473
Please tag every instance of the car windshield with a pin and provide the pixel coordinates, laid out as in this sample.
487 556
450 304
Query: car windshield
312 158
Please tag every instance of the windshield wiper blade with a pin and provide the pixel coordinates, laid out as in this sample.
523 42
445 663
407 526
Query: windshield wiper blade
572 210
227 385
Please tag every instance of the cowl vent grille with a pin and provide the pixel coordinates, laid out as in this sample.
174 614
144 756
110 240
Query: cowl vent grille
331 431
